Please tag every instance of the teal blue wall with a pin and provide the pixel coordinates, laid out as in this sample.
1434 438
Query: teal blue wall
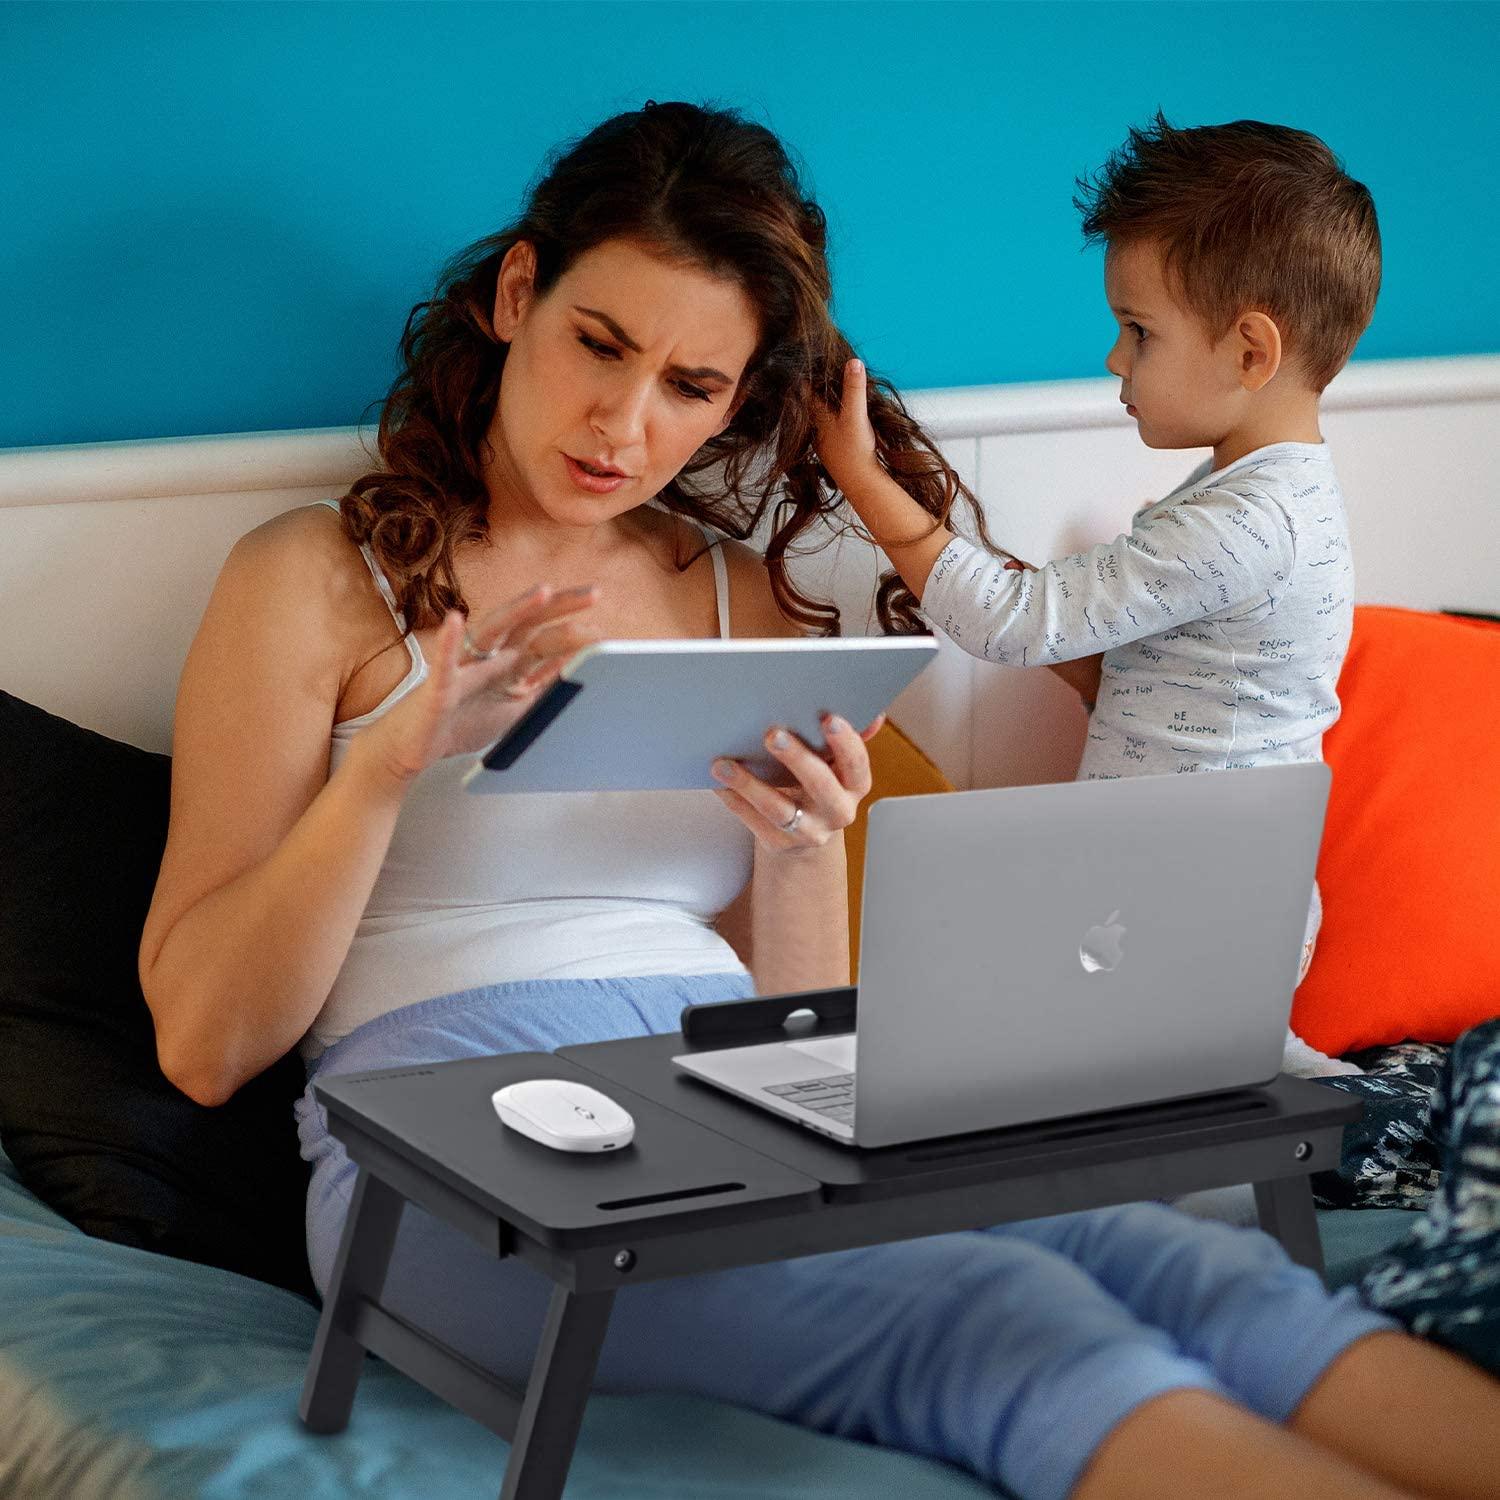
216 216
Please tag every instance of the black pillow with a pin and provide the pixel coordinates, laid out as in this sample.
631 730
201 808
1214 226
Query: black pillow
87 1117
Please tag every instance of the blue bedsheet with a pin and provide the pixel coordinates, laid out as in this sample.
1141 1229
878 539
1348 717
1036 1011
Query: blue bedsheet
132 1376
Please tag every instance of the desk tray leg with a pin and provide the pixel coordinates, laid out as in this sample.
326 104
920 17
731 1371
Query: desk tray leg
1285 1209
358 1273
556 1395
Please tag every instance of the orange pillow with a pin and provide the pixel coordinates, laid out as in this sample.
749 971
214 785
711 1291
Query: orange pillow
1410 863
897 769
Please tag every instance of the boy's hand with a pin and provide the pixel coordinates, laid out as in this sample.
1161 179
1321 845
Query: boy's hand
845 439
846 447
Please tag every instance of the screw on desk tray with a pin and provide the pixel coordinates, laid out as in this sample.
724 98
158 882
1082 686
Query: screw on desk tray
1302 1150
624 1260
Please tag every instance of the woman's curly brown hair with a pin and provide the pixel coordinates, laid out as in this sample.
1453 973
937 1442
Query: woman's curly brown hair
716 191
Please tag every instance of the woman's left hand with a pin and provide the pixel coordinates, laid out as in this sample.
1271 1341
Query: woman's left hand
824 797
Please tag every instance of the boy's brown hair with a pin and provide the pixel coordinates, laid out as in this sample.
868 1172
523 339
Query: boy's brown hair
1248 215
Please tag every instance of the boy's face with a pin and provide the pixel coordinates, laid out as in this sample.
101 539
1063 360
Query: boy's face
1183 390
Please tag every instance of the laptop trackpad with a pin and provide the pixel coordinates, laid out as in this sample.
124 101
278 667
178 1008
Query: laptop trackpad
836 1051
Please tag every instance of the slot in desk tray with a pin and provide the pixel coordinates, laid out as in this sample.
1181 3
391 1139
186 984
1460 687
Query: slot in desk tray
440 1119
1282 1107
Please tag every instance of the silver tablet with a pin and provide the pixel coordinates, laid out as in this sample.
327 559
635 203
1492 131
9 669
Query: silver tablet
653 715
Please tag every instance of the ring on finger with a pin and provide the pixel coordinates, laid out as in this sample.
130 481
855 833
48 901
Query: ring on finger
473 653
790 826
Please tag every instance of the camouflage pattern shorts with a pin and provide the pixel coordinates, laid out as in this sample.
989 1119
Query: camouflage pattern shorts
1392 1158
1443 1279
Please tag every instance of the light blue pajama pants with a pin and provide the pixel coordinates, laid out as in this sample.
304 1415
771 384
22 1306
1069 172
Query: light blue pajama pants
1011 1352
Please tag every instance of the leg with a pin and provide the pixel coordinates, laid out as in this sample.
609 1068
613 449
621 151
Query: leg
1192 1443
556 1395
1285 1209
359 1271
1443 1279
1228 1205
997 1357
1416 1414
1229 1298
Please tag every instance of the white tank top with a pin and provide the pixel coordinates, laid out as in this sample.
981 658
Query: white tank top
477 891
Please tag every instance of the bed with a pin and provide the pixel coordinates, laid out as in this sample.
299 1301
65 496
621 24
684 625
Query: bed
132 1373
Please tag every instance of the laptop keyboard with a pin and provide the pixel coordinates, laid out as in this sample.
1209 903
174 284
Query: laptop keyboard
833 1096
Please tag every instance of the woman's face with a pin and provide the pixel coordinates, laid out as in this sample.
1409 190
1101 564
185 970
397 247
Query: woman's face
614 379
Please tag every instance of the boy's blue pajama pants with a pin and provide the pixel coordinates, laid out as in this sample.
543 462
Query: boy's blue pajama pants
1011 1351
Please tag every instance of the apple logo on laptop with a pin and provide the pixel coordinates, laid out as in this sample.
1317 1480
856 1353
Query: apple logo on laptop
1101 945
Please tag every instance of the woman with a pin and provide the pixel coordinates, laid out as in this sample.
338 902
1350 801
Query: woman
656 328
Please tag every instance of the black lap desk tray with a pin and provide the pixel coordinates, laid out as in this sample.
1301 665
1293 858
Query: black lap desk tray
710 1182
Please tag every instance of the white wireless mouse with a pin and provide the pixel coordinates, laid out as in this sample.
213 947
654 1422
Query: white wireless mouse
564 1115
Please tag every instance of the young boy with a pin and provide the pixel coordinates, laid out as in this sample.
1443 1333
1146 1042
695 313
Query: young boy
1241 264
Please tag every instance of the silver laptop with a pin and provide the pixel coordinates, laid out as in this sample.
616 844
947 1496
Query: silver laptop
1032 952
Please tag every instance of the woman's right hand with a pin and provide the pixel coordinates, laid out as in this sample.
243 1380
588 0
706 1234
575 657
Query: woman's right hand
465 705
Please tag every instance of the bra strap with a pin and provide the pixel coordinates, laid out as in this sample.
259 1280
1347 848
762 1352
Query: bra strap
721 577
378 574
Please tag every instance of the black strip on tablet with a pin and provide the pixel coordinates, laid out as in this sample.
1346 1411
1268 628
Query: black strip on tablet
507 750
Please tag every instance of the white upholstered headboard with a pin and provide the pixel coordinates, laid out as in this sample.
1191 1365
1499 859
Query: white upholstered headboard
108 551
